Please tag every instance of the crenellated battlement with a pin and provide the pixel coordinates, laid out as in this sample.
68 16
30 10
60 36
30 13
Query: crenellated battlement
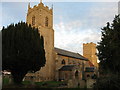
91 44
40 6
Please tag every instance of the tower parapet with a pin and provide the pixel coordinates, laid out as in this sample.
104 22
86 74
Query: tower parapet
40 16
40 6
91 43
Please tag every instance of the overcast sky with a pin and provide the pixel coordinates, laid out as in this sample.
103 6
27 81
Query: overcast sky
75 23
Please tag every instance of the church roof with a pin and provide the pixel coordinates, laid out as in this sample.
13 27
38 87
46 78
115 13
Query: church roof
67 68
69 54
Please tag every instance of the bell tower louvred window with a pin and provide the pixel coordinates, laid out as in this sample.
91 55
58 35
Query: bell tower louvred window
46 21
33 20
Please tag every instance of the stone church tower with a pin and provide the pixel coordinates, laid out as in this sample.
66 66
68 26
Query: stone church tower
89 51
41 17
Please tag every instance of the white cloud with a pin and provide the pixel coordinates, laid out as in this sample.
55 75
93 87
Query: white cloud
72 35
103 13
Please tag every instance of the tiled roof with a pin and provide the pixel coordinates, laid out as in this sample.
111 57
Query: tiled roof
67 68
69 54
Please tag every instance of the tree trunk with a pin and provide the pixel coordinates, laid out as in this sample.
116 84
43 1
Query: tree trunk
18 76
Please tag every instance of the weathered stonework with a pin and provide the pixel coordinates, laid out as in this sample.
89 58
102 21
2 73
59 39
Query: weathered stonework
68 61
89 51
40 13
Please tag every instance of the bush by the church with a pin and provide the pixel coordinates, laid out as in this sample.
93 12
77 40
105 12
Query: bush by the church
22 50
110 81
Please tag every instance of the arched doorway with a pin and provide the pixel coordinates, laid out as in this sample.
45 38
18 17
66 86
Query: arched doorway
76 74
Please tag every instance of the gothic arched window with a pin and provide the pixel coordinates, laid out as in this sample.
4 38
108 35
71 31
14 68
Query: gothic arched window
33 20
63 61
46 21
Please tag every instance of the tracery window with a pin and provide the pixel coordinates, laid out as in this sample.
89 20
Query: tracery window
46 21
33 20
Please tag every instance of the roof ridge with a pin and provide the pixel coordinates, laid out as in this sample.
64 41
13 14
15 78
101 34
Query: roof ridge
83 56
65 50
69 54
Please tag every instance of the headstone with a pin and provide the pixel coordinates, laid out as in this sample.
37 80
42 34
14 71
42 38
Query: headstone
70 83
73 83
90 83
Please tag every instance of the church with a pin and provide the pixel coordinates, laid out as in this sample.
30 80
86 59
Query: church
60 64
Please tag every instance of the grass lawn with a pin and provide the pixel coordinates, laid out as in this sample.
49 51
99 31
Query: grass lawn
49 84
44 84
5 81
29 84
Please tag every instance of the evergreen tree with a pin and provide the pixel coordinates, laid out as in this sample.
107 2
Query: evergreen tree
22 50
109 47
